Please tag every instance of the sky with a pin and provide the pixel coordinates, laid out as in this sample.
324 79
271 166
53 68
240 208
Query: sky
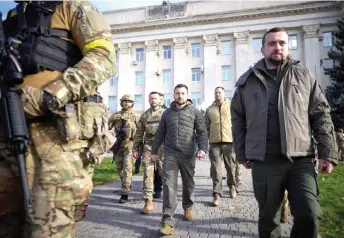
108 5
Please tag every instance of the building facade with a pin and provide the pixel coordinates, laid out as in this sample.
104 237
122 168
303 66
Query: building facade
205 44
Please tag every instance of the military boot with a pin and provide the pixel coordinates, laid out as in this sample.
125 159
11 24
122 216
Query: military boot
166 230
80 212
232 192
123 198
188 214
148 208
216 200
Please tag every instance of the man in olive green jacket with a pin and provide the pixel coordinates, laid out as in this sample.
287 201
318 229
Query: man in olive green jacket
219 127
277 107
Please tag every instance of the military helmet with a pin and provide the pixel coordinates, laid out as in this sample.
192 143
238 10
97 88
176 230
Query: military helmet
128 97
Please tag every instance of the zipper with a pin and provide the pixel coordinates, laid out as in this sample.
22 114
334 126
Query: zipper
300 96
220 123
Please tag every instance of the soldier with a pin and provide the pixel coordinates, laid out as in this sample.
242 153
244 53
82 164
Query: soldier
124 121
146 129
60 148
340 142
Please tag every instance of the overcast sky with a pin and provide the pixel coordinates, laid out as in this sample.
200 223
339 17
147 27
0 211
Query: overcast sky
108 5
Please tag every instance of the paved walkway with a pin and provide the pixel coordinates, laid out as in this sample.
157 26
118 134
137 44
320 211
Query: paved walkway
233 218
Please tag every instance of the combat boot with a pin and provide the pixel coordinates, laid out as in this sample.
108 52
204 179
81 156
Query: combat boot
166 230
148 208
216 200
232 192
157 194
188 214
123 199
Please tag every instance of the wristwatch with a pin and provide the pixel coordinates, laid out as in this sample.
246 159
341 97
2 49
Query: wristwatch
50 101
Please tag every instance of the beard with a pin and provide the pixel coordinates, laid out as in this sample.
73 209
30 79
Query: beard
180 101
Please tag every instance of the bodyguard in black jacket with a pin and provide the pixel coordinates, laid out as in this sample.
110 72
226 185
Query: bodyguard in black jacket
177 129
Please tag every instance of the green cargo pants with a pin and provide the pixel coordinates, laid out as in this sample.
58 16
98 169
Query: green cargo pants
270 178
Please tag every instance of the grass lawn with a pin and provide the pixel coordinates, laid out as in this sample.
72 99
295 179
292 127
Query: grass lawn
332 203
107 171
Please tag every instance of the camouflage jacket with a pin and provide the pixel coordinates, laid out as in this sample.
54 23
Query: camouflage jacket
91 33
115 121
147 127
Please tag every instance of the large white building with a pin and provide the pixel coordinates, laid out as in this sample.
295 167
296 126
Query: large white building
205 44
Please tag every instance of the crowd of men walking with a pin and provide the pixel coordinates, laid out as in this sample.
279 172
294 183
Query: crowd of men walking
253 130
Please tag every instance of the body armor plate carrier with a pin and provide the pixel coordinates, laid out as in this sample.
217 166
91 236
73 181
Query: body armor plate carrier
42 47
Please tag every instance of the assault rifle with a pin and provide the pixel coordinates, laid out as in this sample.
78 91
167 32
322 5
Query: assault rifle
119 138
11 108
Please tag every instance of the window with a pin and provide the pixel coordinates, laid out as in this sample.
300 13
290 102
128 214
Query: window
328 63
139 54
293 42
167 52
328 39
166 75
113 80
228 94
138 106
226 72
196 50
167 99
256 44
226 47
196 99
112 103
140 79
196 74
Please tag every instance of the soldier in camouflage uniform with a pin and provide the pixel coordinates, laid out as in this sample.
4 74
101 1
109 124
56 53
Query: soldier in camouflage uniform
146 129
340 142
57 161
124 157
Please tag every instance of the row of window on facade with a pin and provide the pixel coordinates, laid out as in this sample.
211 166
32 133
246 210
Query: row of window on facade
167 75
226 47
196 98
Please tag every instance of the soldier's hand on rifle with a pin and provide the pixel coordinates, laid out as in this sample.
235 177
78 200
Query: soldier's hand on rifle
154 158
136 155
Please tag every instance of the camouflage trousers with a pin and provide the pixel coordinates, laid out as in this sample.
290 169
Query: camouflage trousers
148 174
80 210
57 181
124 162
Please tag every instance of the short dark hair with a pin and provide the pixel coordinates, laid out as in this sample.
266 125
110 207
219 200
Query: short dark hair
154 92
181 86
220 87
273 30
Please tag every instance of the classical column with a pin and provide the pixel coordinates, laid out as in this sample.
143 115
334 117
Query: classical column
179 61
312 54
241 53
151 68
126 80
209 67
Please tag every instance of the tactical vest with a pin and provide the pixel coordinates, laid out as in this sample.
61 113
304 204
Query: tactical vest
41 47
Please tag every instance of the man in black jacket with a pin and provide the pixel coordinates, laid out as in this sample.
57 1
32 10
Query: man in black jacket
177 130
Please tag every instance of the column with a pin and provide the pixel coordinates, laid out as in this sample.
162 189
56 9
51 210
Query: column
209 66
312 48
125 78
151 68
179 61
241 53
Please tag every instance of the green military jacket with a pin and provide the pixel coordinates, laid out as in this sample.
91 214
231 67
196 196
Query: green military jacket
303 112
116 120
146 128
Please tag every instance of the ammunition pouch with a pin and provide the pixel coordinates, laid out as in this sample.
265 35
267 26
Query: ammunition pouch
86 120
